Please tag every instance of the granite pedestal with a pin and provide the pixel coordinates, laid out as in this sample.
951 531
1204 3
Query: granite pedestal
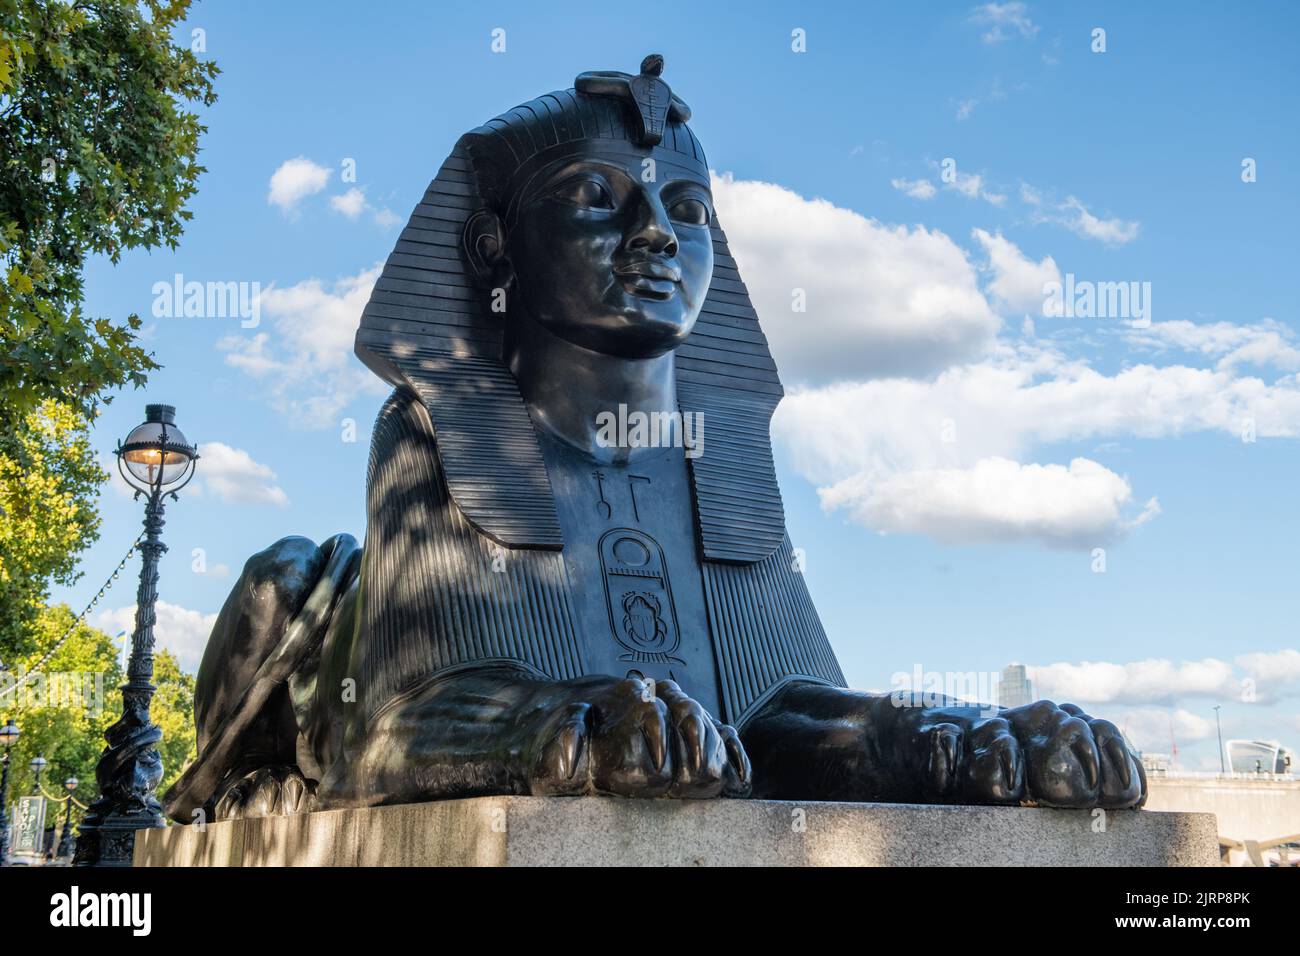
594 831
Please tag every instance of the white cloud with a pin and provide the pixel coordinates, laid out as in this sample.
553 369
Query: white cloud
295 180
1112 231
1267 343
971 185
916 188
880 299
1161 703
1014 17
232 475
857 435
1258 677
1074 215
116 483
180 630
995 93
968 184
1017 280
307 366
1016 399
906 431
1082 506
1274 673
1146 682
385 218
351 203
1157 729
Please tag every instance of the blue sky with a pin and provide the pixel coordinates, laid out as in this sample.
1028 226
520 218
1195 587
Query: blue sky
948 467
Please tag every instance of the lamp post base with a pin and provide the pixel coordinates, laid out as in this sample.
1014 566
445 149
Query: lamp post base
65 842
128 773
110 841
4 799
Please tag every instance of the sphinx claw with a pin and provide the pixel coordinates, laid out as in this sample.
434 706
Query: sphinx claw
564 752
945 756
1085 751
1117 753
653 732
692 733
735 753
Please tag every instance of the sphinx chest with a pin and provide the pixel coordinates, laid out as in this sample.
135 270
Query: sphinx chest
634 568
629 591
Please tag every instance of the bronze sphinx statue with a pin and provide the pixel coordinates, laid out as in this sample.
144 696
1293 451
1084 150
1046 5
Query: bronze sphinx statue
544 605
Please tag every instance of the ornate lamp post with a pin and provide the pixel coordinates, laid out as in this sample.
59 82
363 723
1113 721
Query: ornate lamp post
65 840
38 765
157 461
9 735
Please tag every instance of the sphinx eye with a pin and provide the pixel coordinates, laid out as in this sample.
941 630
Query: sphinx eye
690 211
587 193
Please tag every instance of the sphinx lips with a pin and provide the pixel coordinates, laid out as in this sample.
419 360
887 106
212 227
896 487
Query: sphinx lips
649 279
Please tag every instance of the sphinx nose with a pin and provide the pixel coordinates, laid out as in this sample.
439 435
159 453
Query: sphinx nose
652 231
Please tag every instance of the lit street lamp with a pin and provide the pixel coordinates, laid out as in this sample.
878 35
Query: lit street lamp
8 737
38 764
65 840
156 460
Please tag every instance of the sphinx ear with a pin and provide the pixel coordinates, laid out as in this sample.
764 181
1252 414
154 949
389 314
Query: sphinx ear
483 242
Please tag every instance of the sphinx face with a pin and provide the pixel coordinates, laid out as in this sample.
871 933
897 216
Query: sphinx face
611 262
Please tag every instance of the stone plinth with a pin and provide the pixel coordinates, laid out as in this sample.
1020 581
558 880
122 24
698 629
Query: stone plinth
595 831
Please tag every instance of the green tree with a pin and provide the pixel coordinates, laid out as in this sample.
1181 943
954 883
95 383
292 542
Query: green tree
64 711
98 154
99 141
49 485
173 710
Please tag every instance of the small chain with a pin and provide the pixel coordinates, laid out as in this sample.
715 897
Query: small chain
64 799
34 669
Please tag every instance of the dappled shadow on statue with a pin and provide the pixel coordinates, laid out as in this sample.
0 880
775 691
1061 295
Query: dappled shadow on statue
540 609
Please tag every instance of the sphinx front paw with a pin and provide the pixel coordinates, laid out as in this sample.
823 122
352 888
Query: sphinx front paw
637 738
1041 753
267 792
1074 760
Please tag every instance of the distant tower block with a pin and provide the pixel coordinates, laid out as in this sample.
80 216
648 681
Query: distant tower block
1015 689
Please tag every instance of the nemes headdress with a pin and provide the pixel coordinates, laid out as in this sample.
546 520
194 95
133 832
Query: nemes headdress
428 327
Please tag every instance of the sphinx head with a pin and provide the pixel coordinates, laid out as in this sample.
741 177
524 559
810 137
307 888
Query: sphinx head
597 214
578 205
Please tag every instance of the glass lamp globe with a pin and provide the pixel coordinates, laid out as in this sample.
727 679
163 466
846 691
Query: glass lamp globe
156 453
